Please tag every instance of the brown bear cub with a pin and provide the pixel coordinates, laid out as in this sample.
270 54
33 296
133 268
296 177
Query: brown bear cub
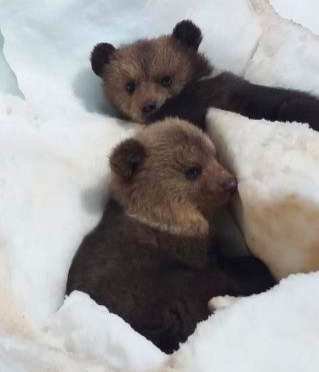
151 259
166 76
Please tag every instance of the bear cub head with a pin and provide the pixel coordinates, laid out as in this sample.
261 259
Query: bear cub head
168 177
139 77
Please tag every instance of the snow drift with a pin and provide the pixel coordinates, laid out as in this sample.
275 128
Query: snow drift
55 136
278 204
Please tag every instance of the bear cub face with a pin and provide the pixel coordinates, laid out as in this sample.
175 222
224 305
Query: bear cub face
168 176
139 77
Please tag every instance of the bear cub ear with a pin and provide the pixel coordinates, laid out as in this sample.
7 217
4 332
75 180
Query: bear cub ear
127 158
188 34
100 56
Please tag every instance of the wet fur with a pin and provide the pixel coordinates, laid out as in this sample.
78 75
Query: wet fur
190 96
149 264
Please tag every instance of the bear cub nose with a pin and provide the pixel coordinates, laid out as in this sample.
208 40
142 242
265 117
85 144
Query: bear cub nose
149 107
230 185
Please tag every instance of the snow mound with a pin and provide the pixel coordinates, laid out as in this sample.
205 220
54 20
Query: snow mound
260 333
304 13
278 205
286 55
108 338
52 185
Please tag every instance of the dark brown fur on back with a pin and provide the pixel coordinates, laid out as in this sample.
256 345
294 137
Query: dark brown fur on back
229 92
176 58
151 258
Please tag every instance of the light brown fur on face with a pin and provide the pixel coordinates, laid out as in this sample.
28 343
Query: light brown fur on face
160 192
146 63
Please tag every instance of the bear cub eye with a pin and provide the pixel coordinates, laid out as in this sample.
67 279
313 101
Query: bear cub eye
130 86
166 81
193 173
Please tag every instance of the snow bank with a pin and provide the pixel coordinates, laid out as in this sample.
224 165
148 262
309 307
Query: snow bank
54 147
278 206
303 12
89 330
23 355
52 185
8 81
274 331
286 54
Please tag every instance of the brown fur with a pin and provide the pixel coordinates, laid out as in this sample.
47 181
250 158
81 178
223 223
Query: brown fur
189 97
148 260
146 62
177 204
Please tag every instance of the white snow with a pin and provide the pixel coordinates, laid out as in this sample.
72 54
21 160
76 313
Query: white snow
278 206
52 184
286 55
108 338
8 82
276 331
303 12
54 146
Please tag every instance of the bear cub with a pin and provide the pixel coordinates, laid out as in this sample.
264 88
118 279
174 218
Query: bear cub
152 259
151 79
